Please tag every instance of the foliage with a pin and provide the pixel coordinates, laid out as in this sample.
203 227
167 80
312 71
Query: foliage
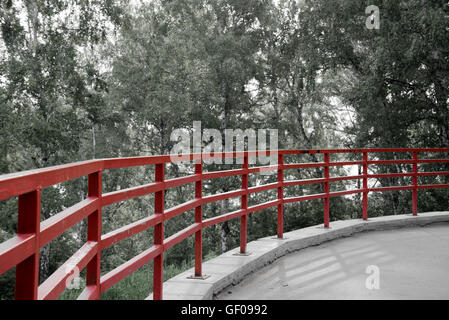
96 79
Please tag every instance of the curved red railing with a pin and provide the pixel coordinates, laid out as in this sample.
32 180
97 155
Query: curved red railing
22 251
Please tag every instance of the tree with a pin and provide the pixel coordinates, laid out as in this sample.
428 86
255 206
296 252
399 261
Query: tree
51 95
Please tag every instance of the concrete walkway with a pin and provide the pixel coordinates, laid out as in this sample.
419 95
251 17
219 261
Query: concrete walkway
413 263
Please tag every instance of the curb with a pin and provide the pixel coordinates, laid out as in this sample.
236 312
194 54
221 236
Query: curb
229 269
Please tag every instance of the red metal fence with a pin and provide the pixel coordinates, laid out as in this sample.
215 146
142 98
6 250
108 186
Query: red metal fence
22 251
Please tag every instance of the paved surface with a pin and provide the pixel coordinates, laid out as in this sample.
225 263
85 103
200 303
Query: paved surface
230 269
413 263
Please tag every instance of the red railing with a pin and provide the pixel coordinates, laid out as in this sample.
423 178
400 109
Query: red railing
22 251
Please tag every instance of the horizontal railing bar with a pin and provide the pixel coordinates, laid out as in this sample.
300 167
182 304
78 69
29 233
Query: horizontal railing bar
344 193
18 183
223 196
264 187
57 224
436 173
117 163
262 206
125 269
321 195
345 163
433 160
181 235
78 169
389 175
52 287
263 169
305 198
405 161
176 182
336 179
129 230
320 180
223 218
15 250
382 189
223 174
149 160
134 192
88 293
432 186
184 207
130 193
399 150
290 183
303 165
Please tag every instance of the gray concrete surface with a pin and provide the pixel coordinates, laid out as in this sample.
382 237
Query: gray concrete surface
412 263
228 269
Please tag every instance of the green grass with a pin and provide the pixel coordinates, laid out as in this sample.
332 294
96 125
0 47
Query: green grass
137 286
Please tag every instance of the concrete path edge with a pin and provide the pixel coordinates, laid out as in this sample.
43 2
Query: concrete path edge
229 269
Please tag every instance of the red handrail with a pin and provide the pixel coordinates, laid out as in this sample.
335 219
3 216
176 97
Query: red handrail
22 251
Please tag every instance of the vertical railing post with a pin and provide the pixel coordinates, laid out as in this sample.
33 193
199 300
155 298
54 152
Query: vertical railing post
365 186
93 269
415 183
158 270
199 219
326 190
280 229
27 272
244 206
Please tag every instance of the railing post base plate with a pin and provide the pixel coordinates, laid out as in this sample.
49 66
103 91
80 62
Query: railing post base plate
277 238
194 277
244 254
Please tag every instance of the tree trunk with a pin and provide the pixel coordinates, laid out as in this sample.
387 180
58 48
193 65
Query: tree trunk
44 269
359 186
308 142
44 254
224 234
